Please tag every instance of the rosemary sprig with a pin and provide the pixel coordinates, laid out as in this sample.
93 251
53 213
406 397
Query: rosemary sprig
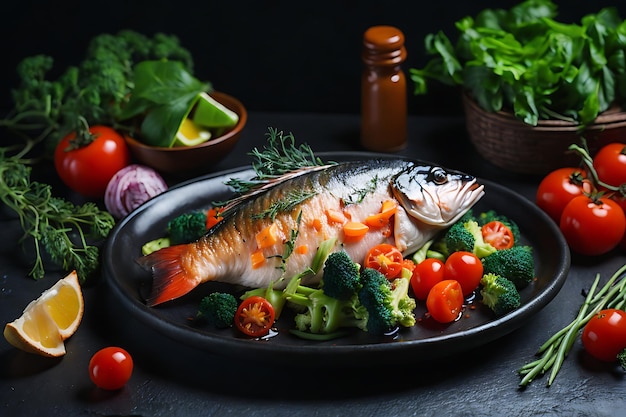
555 350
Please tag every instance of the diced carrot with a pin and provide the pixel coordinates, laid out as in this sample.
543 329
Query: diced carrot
388 209
257 259
355 229
213 216
267 237
302 249
389 206
316 224
335 216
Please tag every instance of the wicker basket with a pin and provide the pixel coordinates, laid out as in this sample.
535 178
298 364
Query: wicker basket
515 146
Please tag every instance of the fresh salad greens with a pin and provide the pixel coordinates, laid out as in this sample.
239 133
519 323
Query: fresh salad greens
525 61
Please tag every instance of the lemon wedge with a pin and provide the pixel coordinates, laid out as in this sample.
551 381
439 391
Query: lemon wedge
49 320
190 134
210 113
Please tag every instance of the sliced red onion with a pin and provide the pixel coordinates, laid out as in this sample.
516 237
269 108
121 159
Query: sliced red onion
130 187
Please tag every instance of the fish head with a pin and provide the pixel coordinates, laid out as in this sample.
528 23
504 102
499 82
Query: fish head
434 195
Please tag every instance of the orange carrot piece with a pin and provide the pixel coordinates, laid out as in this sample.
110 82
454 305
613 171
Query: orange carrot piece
257 259
355 229
316 224
335 216
213 216
302 250
388 209
267 237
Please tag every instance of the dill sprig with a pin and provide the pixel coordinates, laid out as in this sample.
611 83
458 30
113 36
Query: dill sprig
291 200
55 225
279 157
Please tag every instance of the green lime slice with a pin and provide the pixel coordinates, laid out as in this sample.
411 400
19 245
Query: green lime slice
211 113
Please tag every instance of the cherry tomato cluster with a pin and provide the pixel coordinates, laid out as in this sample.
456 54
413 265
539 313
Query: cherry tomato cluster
444 285
587 203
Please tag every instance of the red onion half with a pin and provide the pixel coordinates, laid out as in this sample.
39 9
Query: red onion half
130 187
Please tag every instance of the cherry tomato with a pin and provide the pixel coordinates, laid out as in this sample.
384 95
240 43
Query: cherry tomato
88 169
425 275
557 188
465 268
610 164
592 226
445 301
498 235
110 368
255 316
385 258
604 336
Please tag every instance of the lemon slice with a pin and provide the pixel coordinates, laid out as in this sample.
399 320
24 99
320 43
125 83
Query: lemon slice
190 134
50 319
210 113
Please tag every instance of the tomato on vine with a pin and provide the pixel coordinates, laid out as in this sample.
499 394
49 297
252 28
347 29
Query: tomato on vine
604 336
87 164
610 165
558 188
592 225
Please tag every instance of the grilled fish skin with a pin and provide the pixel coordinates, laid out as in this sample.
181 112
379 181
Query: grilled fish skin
429 198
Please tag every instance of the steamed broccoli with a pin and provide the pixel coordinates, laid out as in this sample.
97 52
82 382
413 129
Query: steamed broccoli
516 264
341 279
187 227
499 294
218 308
321 313
492 215
466 235
388 304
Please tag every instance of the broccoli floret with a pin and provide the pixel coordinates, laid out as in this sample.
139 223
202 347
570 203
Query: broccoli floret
187 227
499 294
467 236
516 264
323 314
492 215
341 279
218 308
388 304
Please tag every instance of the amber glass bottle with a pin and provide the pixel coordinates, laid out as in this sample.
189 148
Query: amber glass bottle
383 90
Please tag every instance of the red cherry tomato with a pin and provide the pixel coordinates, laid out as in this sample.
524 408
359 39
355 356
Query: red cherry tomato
425 275
557 189
604 336
255 316
610 164
466 268
445 301
592 226
385 258
88 169
110 368
498 235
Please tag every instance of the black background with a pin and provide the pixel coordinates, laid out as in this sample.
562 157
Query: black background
279 55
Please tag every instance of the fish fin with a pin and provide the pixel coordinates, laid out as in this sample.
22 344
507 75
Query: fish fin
169 279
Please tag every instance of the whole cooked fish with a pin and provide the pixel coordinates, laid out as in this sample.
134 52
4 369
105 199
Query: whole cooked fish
307 208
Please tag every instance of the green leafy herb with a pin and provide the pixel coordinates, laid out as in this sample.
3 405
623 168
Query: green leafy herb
288 202
165 92
524 60
52 222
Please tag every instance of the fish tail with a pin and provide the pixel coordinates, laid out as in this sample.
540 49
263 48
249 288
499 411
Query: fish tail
170 280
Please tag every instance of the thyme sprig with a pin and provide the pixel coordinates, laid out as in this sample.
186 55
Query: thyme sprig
57 226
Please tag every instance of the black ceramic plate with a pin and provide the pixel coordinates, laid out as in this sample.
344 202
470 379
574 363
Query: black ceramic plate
129 283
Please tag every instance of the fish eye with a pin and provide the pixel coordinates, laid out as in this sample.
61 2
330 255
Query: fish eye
439 176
